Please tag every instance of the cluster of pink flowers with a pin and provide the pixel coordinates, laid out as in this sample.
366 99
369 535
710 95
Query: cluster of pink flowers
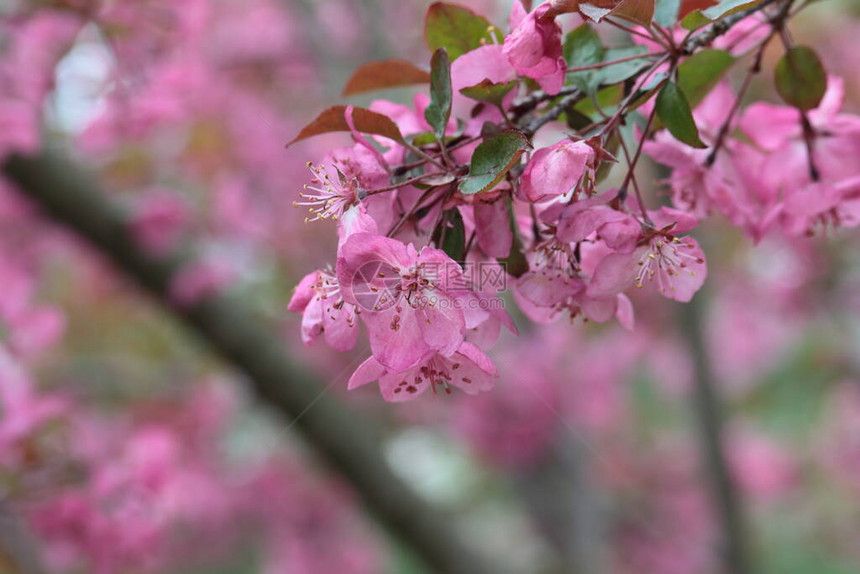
425 320
581 249
772 176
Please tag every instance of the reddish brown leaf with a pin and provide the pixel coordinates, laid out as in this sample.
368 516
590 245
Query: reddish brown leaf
688 6
639 11
334 120
385 74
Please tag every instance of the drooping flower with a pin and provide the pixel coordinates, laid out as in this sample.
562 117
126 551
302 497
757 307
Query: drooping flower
555 170
493 228
674 264
467 369
324 311
534 49
412 302
578 221
557 283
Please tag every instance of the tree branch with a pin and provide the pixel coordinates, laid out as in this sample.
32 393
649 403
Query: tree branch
342 436
709 415
721 26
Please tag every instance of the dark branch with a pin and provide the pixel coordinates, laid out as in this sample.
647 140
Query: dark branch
722 26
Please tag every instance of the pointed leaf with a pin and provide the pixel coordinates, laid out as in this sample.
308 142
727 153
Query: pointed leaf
333 120
694 20
488 92
450 235
492 160
698 75
637 11
455 28
385 74
675 113
583 47
515 264
438 112
801 79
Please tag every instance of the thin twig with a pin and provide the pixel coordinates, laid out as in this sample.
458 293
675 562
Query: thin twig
600 65
553 113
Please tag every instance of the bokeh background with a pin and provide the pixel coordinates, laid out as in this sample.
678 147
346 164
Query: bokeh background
126 446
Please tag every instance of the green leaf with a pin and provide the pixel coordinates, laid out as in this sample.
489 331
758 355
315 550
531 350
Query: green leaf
450 235
385 74
575 119
583 47
613 142
492 160
619 72
647 91
515 263
698 75
801 79
606 99
438 112
694 20
674 111
457 29
488 92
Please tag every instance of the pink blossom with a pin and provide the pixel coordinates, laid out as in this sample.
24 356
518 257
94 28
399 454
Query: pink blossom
412 303
324 310
674 265
534 49
579 220
493 228
484 63
467 369
556 170
556 283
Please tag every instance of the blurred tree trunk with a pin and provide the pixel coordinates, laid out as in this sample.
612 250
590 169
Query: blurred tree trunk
710 415
566 505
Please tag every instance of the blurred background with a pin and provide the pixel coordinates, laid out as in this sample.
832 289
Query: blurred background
127 447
